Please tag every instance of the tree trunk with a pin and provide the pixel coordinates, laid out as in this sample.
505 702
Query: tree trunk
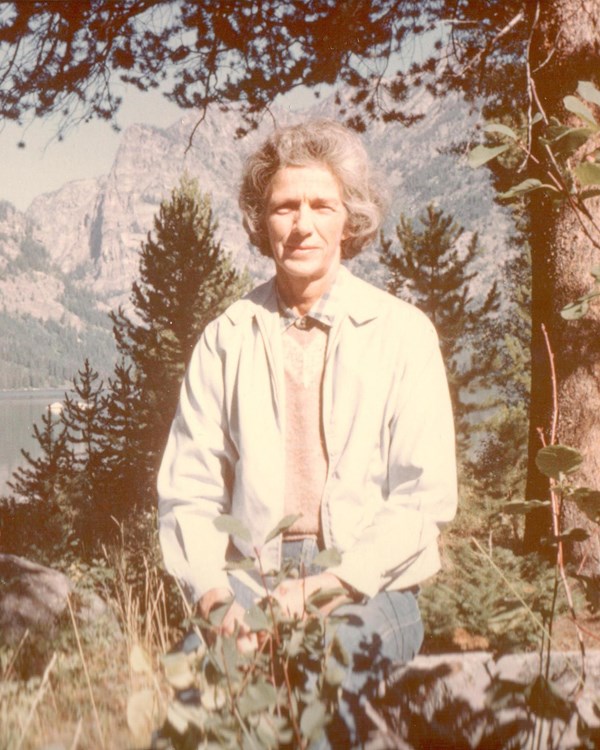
566 46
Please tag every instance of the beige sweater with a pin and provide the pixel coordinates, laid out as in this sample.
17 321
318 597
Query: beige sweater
306 458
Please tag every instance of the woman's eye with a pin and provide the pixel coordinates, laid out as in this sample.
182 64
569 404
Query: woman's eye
284 208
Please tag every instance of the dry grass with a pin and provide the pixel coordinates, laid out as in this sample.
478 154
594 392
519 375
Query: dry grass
92 685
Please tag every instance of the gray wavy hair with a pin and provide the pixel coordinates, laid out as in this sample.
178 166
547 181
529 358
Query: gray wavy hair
322 142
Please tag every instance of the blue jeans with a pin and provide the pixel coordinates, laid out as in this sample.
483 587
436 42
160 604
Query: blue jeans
377 634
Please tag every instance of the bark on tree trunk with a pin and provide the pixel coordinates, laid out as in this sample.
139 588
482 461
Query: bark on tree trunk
565 50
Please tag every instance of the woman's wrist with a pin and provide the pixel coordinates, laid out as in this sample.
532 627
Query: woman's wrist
211 599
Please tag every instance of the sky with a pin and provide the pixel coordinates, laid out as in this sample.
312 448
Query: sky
45 164
88 150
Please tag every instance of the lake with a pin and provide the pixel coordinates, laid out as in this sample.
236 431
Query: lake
19 410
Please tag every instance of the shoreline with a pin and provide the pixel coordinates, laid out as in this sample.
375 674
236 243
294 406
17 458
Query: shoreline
22 394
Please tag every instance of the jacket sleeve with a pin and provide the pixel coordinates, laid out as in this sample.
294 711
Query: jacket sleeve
399 547
194 481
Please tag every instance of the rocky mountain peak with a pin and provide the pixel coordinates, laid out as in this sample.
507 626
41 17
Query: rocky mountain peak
86 236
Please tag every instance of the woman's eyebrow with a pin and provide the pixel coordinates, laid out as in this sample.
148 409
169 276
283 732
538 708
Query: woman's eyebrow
290 201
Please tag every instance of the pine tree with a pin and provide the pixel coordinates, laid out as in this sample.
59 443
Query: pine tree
186 280
44 483
42 479
432 268
112 436
500 463
85 417
121 431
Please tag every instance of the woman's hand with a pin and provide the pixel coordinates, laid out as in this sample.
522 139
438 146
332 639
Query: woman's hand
232 622
292 594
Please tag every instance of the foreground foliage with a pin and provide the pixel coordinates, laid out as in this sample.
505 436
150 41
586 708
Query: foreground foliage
281 694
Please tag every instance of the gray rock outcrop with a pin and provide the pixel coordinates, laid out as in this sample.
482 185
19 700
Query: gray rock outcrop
34 597
31 597
473 700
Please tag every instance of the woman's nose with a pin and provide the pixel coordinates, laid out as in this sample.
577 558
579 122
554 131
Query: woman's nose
303 221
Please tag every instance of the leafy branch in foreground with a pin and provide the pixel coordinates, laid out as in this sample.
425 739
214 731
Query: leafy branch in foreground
572 169
281 694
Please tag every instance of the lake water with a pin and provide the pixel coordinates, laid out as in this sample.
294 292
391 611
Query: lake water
19 410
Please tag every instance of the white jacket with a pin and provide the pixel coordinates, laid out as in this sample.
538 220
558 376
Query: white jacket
388 431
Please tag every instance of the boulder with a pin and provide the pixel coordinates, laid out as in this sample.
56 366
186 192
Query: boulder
476 700
32 597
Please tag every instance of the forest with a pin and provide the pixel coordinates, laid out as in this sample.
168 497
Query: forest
41 353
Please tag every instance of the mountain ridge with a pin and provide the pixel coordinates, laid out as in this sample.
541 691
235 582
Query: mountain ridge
73 254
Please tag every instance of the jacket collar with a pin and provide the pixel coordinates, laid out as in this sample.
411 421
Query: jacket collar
357 299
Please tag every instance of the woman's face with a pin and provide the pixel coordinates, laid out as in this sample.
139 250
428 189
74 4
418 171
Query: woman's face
306 221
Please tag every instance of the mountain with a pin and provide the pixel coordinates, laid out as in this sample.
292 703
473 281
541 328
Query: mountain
71 257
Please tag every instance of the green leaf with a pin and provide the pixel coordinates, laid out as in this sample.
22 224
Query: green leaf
294 643
177 670
339 652
554 131
589 92
323 596
334 673
139 661
187 714
575 105
328 558
588 173
527 186
507 613
555 460
524 506
579 308
246 563
256 619
266 733
497 127
178 717
213 697
232 656
588 501
482 154
568 142
257 697
217 614
282 526
232 526
575 310
313 719
142 712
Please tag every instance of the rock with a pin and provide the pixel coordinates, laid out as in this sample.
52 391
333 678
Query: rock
31 597
446 701
34 597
